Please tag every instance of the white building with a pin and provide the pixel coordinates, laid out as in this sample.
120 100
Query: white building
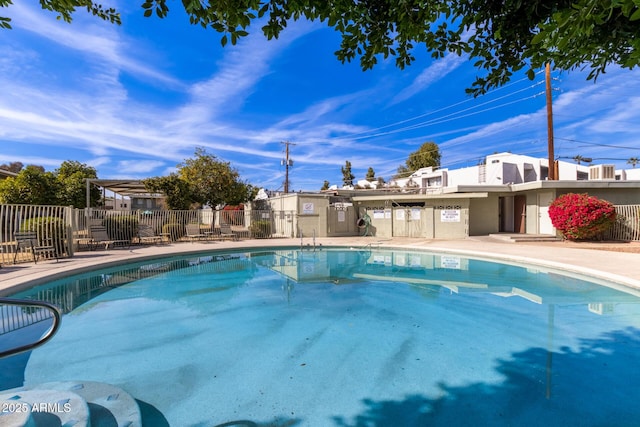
506 169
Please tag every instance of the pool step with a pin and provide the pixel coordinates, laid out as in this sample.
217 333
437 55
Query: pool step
518 238
69 404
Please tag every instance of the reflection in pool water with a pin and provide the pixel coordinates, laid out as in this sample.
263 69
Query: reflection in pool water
350 338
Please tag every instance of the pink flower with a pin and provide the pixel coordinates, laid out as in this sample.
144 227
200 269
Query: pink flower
580 216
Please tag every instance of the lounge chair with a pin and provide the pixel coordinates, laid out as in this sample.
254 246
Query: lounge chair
100 236
227 233
29 240
147 235
193 232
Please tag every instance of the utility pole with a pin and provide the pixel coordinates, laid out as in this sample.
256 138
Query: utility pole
286 162
552 163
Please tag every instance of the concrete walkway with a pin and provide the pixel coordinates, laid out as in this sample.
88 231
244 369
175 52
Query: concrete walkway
620 267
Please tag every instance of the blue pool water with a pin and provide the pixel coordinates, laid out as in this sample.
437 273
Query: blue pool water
348 338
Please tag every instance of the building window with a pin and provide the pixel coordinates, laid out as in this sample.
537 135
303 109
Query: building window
434 182
544 172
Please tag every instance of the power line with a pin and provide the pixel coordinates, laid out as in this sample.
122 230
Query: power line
599 144
439 120
444 119
599 119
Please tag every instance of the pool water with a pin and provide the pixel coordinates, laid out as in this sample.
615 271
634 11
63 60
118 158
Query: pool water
349 338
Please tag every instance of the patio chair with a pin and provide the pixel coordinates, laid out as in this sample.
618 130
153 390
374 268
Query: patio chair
100 236
226 232
193 232
146 234
29 240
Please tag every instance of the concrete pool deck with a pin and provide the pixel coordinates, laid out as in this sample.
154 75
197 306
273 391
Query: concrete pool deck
617 264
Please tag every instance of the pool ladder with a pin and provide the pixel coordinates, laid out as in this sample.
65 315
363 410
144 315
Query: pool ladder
302 247
16 314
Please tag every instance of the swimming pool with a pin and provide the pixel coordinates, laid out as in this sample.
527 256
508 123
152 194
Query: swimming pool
348 338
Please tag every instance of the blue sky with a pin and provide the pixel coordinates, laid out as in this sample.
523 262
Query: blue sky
135 100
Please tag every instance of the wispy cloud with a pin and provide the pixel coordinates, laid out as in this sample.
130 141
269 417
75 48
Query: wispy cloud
432 74
241 68
103 42
100 94
136 167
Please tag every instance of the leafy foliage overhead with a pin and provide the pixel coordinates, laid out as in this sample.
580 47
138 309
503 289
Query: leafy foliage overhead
501 37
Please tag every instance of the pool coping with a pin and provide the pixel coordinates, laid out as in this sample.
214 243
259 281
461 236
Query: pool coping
613 267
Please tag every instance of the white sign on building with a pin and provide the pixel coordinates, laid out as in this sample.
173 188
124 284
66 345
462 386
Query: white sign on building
450 215
307 208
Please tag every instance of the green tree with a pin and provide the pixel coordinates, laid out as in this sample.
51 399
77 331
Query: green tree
71 176
213 182
325 185
633 161
500 37
347 176
177 192
427 155
14 167
371 175
240 192
31 186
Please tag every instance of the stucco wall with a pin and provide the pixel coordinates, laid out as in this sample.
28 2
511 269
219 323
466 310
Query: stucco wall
451 218
312 216
617 196
463 176
310 212
380 226
284 202
483 216
439 218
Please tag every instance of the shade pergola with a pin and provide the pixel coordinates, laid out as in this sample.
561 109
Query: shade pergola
122 187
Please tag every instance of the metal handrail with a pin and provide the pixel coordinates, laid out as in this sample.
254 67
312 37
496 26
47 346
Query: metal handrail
57 317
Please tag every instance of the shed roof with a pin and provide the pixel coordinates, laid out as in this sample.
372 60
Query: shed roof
125 187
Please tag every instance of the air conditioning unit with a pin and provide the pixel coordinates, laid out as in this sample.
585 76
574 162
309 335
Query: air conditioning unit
602 172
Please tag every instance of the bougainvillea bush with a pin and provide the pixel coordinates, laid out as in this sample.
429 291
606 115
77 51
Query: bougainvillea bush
580 216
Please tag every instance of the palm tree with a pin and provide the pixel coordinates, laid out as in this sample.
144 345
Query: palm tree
633 161
578 159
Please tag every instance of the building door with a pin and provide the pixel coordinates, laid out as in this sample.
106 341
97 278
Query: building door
544 222
505 213
408 221
520 214
341 221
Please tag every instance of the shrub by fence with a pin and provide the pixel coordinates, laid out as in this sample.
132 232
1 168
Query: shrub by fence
580 216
